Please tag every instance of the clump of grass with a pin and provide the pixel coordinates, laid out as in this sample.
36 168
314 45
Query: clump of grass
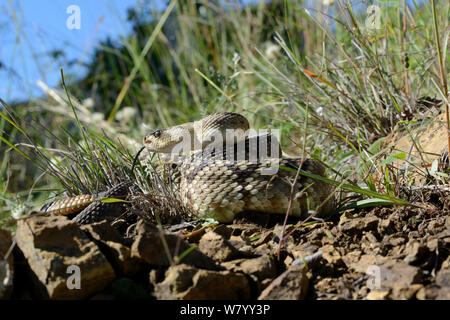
95 163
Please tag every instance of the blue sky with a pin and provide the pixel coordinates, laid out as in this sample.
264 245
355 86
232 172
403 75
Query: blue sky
30 29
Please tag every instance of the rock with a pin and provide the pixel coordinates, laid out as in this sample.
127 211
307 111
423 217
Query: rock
264 249
326 288
433 292
115 248
238 229
271 248
264 238
388 274
218 285
394 241
104 232
405 293
185 282
445 236
436 225
157 275
415 251
446 264
443 278
177 279
320 236
154 247
365 261
251 233
278 231
290 285
370 244
421 294
370 238
432 245
6 266
345 217
239 243
387 225
223 230
443 294
398 274
289 260
217 247
430 136
261 267
397 251
332 255
357 225
352 258
378 295
55 248
303 250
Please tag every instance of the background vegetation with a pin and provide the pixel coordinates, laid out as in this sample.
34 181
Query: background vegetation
334 86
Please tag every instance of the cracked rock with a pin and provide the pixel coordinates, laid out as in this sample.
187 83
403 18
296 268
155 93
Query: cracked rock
290 285
114 247
217 247
185 282
261 267
159 248
57 251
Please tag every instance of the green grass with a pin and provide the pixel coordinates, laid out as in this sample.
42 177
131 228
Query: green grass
332 86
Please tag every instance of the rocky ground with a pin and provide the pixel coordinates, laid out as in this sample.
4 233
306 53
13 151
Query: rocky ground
382 253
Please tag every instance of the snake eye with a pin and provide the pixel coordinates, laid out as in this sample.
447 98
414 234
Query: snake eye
157 133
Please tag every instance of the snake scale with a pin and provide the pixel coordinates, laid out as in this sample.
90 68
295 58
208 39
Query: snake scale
219 178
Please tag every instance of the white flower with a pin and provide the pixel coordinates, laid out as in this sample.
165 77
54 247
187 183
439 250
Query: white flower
126 114
145 127
272 50
97 116
236 58
202 11
88 103
327 2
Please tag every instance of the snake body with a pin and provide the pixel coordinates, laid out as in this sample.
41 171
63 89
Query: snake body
89 208
218 181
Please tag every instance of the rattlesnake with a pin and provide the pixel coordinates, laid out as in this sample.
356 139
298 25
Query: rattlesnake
221 173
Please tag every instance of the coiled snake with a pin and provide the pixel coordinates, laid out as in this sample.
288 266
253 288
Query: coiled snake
223 171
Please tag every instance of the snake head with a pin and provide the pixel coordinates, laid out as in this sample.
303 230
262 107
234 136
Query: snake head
166 140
